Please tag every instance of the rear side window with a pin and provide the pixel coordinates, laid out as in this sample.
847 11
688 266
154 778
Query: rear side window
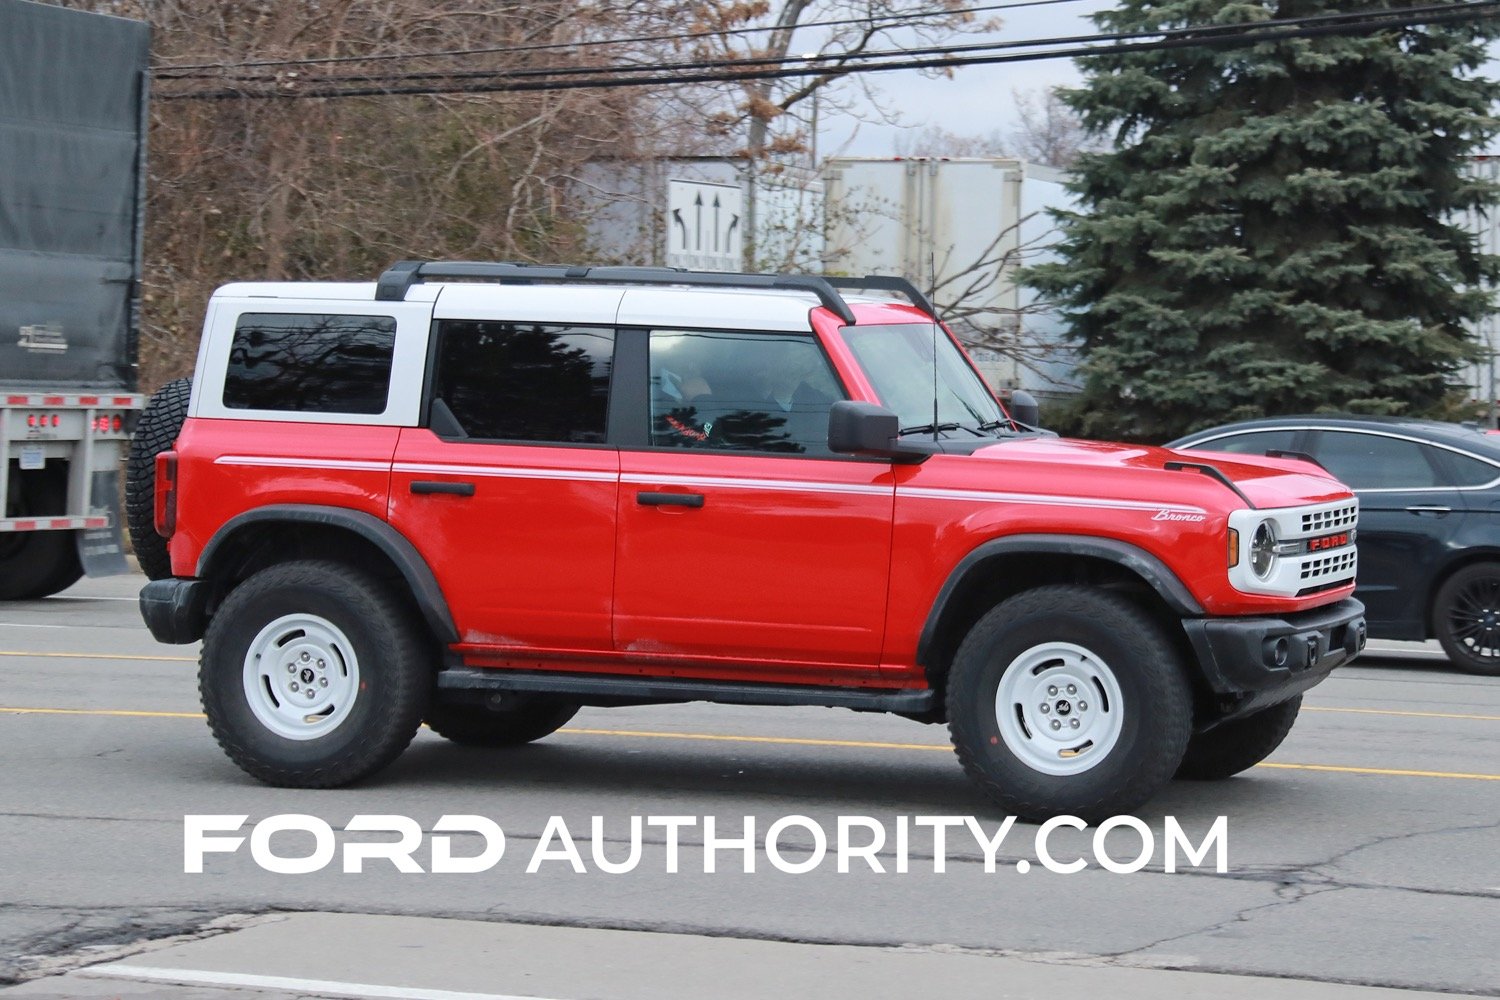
1374 461
1465 470
310 363
525 381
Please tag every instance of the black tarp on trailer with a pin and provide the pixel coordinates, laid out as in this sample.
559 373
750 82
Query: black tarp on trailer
72 126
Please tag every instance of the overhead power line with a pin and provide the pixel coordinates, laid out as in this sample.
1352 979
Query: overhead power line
179 72
839 60
936 57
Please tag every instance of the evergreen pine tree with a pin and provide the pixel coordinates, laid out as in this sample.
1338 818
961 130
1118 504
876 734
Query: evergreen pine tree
1274 231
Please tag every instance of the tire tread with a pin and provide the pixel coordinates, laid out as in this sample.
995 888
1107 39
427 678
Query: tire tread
1168 692
408 683
155 433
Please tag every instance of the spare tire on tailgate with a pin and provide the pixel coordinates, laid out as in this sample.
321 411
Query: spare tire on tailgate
155 433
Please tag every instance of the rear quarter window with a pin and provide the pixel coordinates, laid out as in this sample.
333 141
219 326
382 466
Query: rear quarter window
310 363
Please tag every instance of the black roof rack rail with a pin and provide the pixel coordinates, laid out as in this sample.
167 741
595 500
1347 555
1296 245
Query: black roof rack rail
398 279
888 283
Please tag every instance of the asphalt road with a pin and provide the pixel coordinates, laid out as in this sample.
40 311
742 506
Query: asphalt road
1367 851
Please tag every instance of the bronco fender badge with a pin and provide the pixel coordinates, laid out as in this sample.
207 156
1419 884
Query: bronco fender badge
1177 515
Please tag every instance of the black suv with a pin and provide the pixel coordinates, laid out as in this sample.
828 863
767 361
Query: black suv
1429 519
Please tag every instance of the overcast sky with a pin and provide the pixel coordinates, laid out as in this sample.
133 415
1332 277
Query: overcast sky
977 101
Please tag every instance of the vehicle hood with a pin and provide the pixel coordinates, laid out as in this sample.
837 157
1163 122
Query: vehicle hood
1266 482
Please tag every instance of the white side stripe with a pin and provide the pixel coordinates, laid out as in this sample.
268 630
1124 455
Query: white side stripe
642 479
797 485
505 472
271 462
1038 498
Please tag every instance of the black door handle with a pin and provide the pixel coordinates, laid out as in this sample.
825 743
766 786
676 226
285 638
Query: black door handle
456 489
647 499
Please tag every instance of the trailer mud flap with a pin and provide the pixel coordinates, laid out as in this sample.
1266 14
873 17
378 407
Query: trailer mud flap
102 550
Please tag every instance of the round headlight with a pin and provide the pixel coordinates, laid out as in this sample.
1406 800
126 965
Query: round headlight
1263 550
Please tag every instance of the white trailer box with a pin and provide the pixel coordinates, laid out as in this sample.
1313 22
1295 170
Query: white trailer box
645 212
959 227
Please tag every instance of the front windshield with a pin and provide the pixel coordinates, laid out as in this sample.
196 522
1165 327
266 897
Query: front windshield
898 361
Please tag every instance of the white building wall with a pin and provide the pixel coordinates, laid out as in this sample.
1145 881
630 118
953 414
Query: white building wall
1486 226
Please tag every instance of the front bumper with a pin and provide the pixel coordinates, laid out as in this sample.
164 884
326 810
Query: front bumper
1258 662
176 611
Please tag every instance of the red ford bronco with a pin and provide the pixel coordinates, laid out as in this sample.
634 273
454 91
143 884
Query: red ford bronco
483 495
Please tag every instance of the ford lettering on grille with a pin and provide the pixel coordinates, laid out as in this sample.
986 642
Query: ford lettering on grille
1325 542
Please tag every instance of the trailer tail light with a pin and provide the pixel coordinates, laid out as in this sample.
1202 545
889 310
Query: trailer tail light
166 494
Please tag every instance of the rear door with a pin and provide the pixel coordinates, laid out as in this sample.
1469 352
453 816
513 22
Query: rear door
509 490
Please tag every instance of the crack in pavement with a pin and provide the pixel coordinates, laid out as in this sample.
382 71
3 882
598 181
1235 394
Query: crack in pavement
1289 892
1302 882
85 939
1393 838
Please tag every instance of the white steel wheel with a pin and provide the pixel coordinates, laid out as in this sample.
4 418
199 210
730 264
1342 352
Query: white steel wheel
1059 708
1063 653
301 676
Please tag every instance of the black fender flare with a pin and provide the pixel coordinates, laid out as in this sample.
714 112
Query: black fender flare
1140 562
394 545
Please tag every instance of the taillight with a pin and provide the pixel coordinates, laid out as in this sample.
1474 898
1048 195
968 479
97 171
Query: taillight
166 494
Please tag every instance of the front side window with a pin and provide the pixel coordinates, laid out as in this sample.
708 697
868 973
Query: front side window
912 364
767 392
310 363
524 381
1257 443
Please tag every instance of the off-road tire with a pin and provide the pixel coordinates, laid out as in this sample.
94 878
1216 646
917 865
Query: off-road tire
477 726
1467 600
394 672
1155 702
35 564
1226 750
155 433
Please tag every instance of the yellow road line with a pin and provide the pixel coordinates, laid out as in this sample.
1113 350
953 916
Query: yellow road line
790 741
1388 771
124 713
1400 712
103 656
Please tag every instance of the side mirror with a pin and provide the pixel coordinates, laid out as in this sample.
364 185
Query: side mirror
1024 408
866 429
862 428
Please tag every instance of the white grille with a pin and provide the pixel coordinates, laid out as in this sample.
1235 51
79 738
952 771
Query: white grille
1319 569
1330 519
1297 572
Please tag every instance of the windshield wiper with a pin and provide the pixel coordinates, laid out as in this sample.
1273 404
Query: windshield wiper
928 429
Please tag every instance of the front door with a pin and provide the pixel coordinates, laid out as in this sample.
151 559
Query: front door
741 537
1407 516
